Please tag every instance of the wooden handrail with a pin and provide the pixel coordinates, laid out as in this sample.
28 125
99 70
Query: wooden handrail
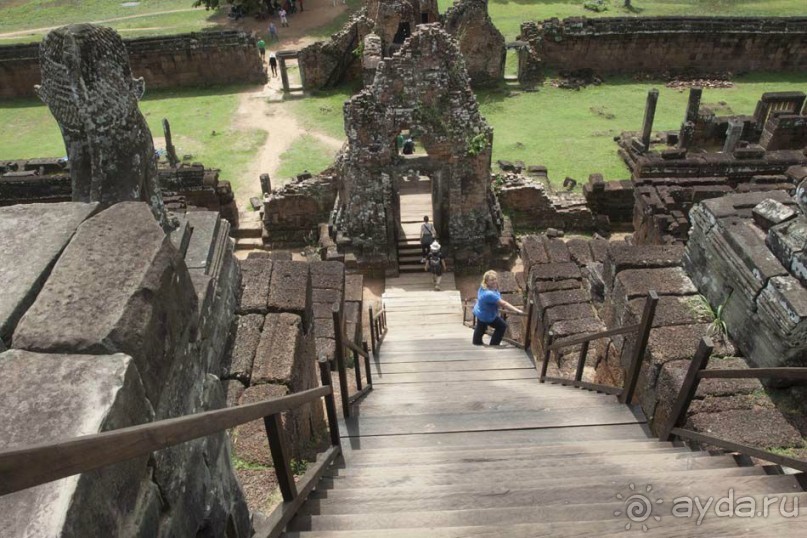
354 347
29 466
642 329
585 338
695 373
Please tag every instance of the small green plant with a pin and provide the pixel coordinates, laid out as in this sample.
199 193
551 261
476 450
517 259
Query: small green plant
244 465
298 467
701 305
358 52
477 144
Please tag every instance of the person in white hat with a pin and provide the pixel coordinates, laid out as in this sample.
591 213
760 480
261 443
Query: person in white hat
436 264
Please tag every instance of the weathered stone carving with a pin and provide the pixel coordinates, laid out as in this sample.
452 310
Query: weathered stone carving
423 88
87 84
481 43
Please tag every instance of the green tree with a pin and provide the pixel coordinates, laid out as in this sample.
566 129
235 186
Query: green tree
251 6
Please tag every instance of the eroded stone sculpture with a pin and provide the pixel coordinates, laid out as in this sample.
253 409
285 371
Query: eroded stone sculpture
87 84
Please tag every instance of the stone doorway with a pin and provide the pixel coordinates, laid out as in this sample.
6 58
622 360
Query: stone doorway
415 202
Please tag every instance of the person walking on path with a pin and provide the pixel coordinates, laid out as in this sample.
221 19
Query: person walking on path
283 20
273 32
427 236
262 49
486 310
273 64
436 264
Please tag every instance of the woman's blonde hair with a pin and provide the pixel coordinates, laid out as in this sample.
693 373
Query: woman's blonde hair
490 275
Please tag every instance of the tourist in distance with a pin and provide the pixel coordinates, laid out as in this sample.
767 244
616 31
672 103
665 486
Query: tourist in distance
283 20
273 32
436 263
427 236
273 64
486 310
262 49
409 145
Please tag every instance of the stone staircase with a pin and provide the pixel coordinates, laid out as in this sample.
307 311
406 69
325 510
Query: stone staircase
456 440
416 202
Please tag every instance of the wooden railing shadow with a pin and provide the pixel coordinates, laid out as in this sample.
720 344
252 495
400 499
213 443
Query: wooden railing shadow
697 371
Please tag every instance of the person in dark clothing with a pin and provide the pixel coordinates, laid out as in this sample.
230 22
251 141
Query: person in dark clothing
436 264
408 146
273 64
427 236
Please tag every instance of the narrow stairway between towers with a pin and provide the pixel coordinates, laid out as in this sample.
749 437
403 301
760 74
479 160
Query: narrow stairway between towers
458 440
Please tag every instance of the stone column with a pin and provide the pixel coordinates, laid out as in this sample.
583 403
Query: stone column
733 135
284 76
170 150
649 115
693 105
687 135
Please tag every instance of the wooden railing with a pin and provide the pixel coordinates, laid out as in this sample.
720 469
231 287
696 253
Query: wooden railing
378 329
524 343
625 392
697 371
29 466
343 343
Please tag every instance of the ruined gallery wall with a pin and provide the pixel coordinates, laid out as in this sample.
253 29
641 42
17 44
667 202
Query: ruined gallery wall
199 59
660 44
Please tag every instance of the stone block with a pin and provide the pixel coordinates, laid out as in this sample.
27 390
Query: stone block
561 297
622 256
328 275
245 342
233 390
52 397
34 236
670 310
556 249
555 271
554 285
770 213
354 287
290 290
250 442
786 241
565 312
323 311
756 427
326 348
279 351
256 274
633 283
533 251
119 286
326 296
580 251
507 282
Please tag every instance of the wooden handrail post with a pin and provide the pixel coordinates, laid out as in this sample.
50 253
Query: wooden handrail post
545 364
632 376
357 369
383 318
330 403
688 389
372 332
528 324
368 373
340 360
280 459
581 362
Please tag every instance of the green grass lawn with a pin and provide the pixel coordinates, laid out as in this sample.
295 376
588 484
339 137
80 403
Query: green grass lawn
507 15
305 153
146 18
571 132
201 125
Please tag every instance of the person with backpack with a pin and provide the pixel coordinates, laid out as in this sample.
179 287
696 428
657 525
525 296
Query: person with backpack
436 264
409 146
486 310
427 236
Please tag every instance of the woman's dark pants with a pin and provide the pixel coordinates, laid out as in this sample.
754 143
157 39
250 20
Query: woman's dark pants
499 327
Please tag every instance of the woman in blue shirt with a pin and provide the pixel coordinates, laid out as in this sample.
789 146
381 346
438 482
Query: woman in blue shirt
488 301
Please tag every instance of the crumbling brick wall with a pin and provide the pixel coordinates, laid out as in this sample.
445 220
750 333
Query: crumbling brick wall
186 60
424 88
531 204
481 43
666 44
292 214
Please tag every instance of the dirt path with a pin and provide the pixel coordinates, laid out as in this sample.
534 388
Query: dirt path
264 109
